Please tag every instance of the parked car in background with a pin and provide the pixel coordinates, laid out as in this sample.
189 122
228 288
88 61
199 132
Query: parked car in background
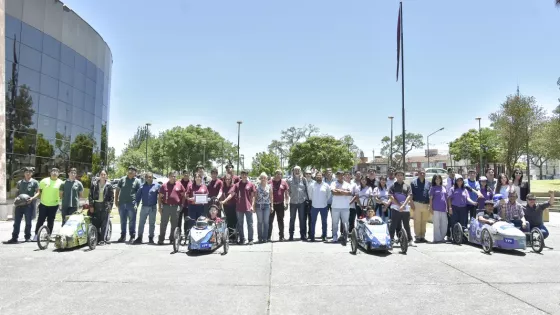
431 171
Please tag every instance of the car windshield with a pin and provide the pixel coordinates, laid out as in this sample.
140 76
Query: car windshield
72 223
381 228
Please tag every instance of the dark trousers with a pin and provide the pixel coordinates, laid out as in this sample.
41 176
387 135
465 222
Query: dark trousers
543 229
472 211
279 214
379 212
195 211
46 212
297 210
99 219
308 218
180 216
398 218
460 214
27 212
66 211
449 225
314 213
360 212
351 219
231 217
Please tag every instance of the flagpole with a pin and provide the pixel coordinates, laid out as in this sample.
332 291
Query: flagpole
402 90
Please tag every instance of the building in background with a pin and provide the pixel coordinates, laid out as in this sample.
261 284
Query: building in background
57 87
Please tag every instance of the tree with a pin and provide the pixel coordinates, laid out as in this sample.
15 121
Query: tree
265 162
321 152
468 146
348 141
543 145
291 137
81 149
516 116
413 141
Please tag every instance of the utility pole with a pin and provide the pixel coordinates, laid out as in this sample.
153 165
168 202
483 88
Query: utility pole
480 147
147 139
428 143
391 146
239 122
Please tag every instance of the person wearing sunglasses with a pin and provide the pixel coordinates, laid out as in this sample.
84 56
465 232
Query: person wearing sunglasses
534 211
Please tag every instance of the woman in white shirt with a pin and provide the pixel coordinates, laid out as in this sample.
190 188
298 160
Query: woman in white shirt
381 195
363 196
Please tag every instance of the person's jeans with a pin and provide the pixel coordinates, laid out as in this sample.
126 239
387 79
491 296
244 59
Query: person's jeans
314 213
27 212
240 222
67 211
543 229
195 211
263 217
231 217
168 214
279 214
298 208
339 214
398 218
127 212
46 212
460 214
146 211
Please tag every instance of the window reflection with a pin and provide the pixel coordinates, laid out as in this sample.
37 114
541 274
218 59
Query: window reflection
78 117
65 93
79 81
12 46
67 55
24 143
64 112
51 47
78 99
13 27
89 104
48 106
50 66
31 36
30 57
90 87
66 74
29 78
45 147
46 126
91 70
88 121
98 108
49 86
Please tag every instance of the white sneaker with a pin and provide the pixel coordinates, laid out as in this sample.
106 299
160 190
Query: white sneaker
35 238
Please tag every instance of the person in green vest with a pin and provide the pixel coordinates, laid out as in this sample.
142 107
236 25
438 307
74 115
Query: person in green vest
49 189
29 187
70 193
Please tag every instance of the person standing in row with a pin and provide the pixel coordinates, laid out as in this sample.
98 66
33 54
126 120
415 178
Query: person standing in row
100 199
29 187
148 195
49 193
196 208
342 195
486 191
491 180
229 207
400 195
381 194
457 202
420 201
320 193
280 199
70 193
186 182
244 192
170 197
365 197
297 188
390 177
125 198
471 182
262 206
310 182
354 184
215 187
229 171
329 179
438 208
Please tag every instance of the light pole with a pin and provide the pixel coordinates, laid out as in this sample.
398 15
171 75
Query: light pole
428 143
528 161
480 145
203 152
391 146
239 122
147 139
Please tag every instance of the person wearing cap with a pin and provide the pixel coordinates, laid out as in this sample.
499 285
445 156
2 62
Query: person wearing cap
215 187
400 195
342 197
234 178
244 192
125 197
71 191
488 216
182 215
280 197
534 211
30 187
170 197
148 195
485 190
420 205
471 182
49 193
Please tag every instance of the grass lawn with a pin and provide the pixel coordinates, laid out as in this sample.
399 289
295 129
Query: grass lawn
543 186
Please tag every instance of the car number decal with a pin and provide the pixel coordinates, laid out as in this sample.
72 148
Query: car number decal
508 240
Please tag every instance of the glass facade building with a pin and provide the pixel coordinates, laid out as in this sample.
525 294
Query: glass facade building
57 88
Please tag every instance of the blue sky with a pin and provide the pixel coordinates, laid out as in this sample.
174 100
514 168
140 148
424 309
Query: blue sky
332 63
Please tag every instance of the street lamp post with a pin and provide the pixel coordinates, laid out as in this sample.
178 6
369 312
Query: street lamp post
480 147
391 146
147 139
203 152
428 143
239 122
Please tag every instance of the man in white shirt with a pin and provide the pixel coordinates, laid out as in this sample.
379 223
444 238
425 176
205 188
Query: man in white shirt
391 179
342 195
319 193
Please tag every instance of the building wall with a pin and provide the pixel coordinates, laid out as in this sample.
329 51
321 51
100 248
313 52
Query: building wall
57 81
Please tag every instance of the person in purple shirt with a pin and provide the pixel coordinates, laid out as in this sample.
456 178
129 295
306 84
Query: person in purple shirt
471 182
438 208
486 191
400 195
457 202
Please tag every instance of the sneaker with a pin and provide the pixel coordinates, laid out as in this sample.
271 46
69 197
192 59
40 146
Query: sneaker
122 239
250 242
160 242
268 241
11 241
291 239
312 239
151 240
282 239
138 241
27 240
323 238
418 240
131 240
35 238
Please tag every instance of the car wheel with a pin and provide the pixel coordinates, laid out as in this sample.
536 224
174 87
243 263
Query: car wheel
403 239
176 239
486 241
353 242
43 237
225 242
92 237
537 240
109 231
457 233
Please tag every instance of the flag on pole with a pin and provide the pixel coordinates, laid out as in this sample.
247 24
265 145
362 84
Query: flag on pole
399 40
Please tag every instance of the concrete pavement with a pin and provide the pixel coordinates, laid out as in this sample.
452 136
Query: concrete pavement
278 278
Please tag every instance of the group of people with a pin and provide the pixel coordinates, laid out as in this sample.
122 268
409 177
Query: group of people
306 195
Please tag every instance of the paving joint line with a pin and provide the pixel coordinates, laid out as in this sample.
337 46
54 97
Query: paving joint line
270 279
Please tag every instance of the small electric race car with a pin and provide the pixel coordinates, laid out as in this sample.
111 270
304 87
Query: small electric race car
373 235
77 231
205 235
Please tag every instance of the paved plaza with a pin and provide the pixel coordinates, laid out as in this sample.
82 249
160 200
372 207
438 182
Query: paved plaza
278 278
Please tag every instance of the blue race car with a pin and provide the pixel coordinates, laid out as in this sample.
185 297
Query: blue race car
372 234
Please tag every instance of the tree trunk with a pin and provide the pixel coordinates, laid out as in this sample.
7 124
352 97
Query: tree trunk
540 171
